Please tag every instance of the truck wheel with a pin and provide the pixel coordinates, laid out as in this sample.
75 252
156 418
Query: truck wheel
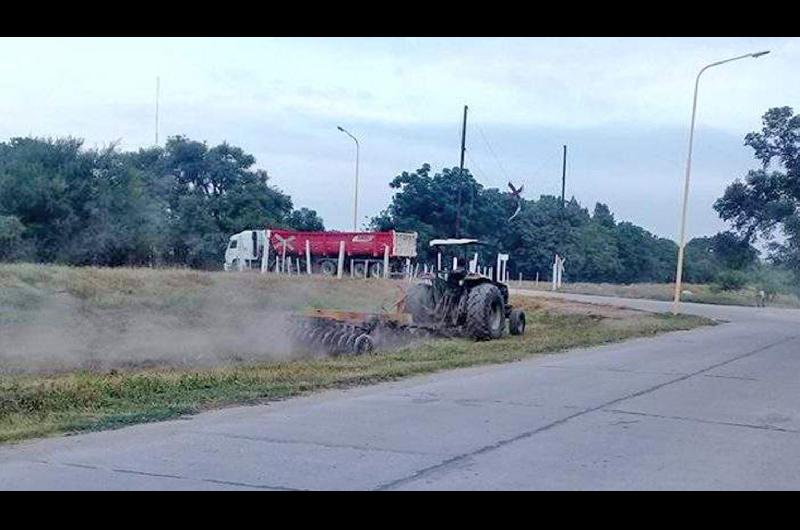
328 268
419 302
485 312
516 322
359 270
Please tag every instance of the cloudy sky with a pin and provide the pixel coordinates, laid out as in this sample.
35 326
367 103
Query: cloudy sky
622 105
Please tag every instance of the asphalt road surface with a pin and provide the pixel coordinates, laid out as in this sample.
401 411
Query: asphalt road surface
713 408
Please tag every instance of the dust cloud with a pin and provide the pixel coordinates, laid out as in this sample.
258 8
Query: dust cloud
66 333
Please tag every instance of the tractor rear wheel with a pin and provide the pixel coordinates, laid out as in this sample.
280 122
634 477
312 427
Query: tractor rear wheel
485 312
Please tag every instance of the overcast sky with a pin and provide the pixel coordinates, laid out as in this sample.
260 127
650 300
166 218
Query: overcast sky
622 105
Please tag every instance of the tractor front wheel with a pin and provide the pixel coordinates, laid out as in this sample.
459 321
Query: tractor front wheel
516 322
485 312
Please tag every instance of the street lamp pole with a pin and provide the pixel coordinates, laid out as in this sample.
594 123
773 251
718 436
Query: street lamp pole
682 243
355 197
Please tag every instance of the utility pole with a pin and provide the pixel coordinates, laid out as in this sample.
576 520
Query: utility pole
461 171
564 177
158 83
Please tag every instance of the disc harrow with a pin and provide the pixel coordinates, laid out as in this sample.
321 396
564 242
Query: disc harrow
331 332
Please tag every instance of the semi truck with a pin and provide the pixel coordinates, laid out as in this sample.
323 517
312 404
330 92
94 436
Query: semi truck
364 253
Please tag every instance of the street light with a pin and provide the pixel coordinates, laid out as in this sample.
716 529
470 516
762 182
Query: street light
679 271
355 198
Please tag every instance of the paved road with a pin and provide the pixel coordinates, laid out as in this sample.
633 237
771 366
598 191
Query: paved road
713 408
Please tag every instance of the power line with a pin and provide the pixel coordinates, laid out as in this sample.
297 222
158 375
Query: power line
476 166
491 150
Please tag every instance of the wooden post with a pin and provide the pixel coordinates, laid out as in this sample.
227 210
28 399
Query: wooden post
386 261
340 269
308 257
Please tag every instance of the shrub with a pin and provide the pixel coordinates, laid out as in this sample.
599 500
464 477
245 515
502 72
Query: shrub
730 280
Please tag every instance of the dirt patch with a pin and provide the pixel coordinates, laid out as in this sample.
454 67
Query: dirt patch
561 306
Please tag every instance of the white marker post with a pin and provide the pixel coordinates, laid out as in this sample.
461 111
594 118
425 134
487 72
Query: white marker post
340 269
265 256
308 257
283 257
439 261
299 270
386 261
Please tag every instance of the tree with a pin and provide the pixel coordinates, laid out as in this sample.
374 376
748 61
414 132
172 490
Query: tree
595 247
306 220
175 205
768 199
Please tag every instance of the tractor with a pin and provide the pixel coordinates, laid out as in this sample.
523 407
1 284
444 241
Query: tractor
473 304
445 303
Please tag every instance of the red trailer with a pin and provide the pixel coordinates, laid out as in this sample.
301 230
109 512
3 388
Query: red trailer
364 252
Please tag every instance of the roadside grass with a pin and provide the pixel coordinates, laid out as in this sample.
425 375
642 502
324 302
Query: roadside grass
700 293
33 404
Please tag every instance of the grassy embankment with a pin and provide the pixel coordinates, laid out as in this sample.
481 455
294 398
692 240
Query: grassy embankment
700 293
97 387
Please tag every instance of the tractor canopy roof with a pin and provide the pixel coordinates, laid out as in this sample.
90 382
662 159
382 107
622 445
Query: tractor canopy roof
455 242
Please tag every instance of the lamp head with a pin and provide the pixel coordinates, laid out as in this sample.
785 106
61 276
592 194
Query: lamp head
759 54
338 127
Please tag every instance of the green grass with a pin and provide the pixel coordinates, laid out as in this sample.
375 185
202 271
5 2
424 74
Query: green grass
700 293
36 404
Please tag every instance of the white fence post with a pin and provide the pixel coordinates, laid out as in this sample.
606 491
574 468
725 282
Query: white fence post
386 261
340 269
439 261
555 273
283 258
265 255
308 256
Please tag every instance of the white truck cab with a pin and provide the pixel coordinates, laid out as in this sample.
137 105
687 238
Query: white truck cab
244 250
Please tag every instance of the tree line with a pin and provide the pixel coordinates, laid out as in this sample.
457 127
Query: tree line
177 205
596 247
170 206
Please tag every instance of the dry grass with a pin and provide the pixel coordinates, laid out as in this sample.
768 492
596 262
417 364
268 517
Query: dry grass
39 403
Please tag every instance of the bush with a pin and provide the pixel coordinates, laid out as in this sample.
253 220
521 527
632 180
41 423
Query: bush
730 280
11 243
